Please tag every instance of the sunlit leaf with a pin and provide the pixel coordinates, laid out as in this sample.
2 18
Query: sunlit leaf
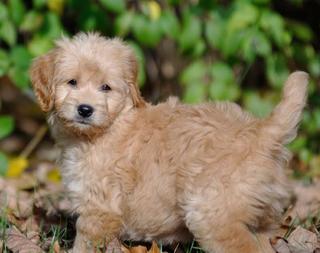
32 21
123 23
224 86
3 12
8 32
194 73
257 105
154 9
39 45
6 126
17 165
194 92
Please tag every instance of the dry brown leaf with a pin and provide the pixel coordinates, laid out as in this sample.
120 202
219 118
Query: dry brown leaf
154 248
281 246
307 200
302 239
18 243
56 247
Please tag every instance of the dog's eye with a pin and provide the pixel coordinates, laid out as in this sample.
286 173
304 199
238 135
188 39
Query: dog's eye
105 87
72 82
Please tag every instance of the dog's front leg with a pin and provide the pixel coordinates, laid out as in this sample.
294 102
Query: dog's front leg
95 229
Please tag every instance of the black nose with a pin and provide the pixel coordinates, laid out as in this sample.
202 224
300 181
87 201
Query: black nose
85 110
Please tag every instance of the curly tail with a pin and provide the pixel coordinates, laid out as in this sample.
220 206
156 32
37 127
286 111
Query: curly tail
283 121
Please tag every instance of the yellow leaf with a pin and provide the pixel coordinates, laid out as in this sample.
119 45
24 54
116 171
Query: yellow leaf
16 166
56 6
154 10
54 175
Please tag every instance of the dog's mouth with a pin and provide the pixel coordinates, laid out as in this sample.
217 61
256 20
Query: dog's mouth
82 122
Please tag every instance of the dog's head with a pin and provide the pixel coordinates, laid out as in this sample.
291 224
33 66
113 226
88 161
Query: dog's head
87 81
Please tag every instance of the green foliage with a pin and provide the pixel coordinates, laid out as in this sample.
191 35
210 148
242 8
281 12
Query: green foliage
219 45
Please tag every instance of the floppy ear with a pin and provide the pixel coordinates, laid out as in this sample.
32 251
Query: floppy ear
41 73
137 99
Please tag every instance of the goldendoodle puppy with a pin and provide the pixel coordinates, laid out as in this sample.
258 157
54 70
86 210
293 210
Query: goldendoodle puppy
163 172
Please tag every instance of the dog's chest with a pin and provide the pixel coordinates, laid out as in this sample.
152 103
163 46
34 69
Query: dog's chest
87 175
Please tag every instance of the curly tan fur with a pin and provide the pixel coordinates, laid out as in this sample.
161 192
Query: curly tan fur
165 172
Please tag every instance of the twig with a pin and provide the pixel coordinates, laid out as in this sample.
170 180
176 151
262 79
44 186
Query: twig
34 142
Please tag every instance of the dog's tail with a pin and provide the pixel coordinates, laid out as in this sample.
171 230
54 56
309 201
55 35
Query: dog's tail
284 119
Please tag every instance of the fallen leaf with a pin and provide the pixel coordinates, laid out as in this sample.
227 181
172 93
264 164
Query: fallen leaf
16 166
1 245
56 247
138 249
154 248
281 246
302 239
307 200
18 243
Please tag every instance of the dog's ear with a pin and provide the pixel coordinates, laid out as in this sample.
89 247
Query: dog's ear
41 73
137 99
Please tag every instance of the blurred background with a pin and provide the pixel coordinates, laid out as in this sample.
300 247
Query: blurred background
199 50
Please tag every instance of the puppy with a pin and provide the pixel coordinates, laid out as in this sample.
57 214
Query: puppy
165 172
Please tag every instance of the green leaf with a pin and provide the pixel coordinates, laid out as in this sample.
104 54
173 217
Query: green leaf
277 70
6 126
170 24
39 3
232 42
147 32
3 12
194 73
4 62
3 164
123 23
16 10
31 22
117 6
194 93
243 16
254 43
224 86
52 27
301 31
39 45
19 76
273 24
191 31
214 31
8 32
257 105
314 66
20 57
